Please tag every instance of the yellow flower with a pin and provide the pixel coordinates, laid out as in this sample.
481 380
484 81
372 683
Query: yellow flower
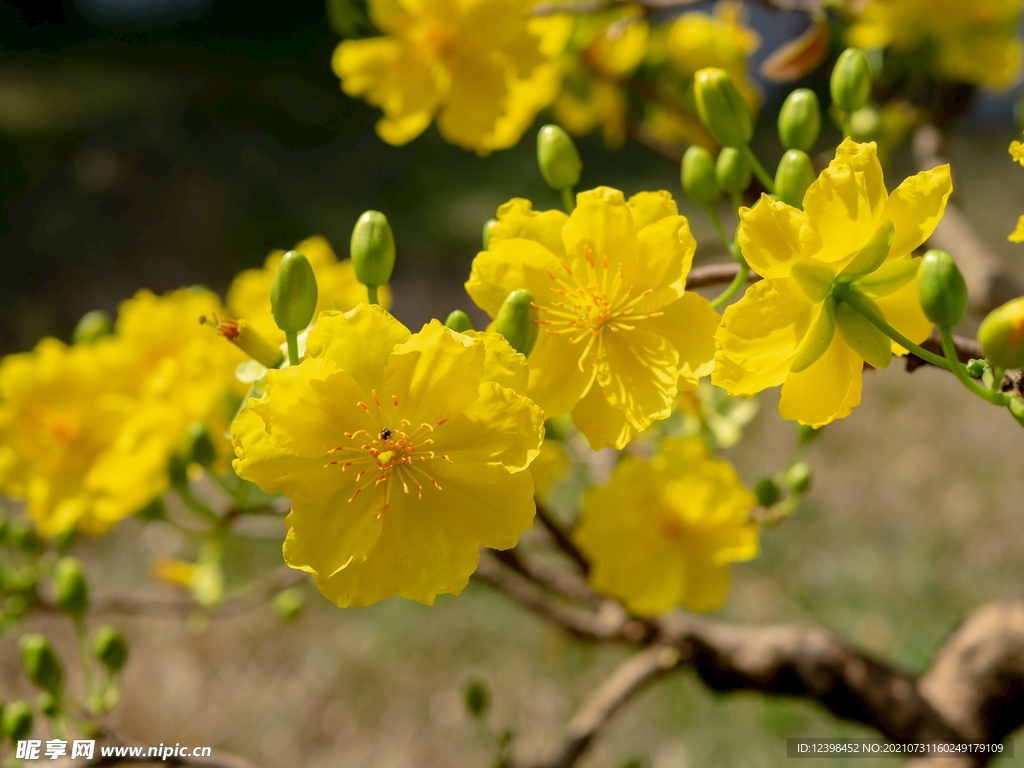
662 532
482 67
550 466
1017 236
610 47
1017 151
337 287
972 41
620 337
789 319
402 454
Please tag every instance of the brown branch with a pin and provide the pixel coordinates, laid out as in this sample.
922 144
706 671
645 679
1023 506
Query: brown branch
715 274
561 539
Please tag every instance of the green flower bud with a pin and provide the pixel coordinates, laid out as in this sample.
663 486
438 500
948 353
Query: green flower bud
851 80
70 586
199 447
477 698
767 492
459 321
65 539
293 294
288 603
373 249
697 175
798 477
517 321
17 721
558 158
48 705
93 326
793 176
721 108
800 120
941 289
976 368
1001 335
40 662
865 124
732 171
177 471
489 226
24 537
110 647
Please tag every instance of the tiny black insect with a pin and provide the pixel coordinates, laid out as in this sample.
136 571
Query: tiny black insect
385 434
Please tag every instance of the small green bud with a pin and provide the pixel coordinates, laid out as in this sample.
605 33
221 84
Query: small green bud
177 471
48 705
199 447
851 80
517 321
489 226
793 176
24 537
16 606
865 124
800 120
1001 335
558 158
767 492
798 476
721 108
477 698
70 586
288 603
976 368
697 175
18 721
373 249
732 171
941 289
40 662
92 327
65 539
459 321
110 647
293 294
153 511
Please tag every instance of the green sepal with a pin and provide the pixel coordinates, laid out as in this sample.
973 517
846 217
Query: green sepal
872 255
941 289
814 278
817 341
888 278
863 337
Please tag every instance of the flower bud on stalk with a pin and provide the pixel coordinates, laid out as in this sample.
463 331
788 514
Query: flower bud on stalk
793 176
92 327
459 321
732 171
697 175
865 124
558 158
721 108
851 80
248 339
48 705
293 299
517 321
1001 335
767 492
941 289
109 646
40 662
70 587
17 721
373 251
800 120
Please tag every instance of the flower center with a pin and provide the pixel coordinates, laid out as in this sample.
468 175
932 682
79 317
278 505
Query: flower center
396 452
597 301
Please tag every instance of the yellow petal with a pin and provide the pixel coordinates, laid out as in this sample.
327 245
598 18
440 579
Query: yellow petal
556 380
1017 236
510 265
665 257
602 225
475 101
638 373
769 236
689 324
760 336
915 207
260 461
826 391
603 425
1017 151
649 207
516 218
902 310
502 364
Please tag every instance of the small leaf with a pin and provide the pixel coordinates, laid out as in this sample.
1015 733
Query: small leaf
799 56
816 342
888 278
863 337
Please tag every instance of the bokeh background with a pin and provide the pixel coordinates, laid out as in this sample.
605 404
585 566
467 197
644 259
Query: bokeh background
174 142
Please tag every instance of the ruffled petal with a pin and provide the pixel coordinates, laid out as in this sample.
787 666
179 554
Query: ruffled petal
915 207
690 325
769 236
359 341
649 207
509 265
827 390
474 102
638 372
502 364
517 219
603 425
602 226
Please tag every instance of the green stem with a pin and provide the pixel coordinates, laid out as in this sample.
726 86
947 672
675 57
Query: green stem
853 300
847 125
293 347
759 171
997 379
737 201
716 222
734 287
949 347
82 636
371 294
568 199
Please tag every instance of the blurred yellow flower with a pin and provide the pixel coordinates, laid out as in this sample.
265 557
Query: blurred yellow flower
789 319
1017 236
619 337
402 454
973 41
606 49
1017 151
337 287
662 532
550 466
483 68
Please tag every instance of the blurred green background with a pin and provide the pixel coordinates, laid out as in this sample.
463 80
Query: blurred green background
156 155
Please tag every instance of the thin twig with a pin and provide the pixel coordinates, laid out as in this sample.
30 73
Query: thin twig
562 539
